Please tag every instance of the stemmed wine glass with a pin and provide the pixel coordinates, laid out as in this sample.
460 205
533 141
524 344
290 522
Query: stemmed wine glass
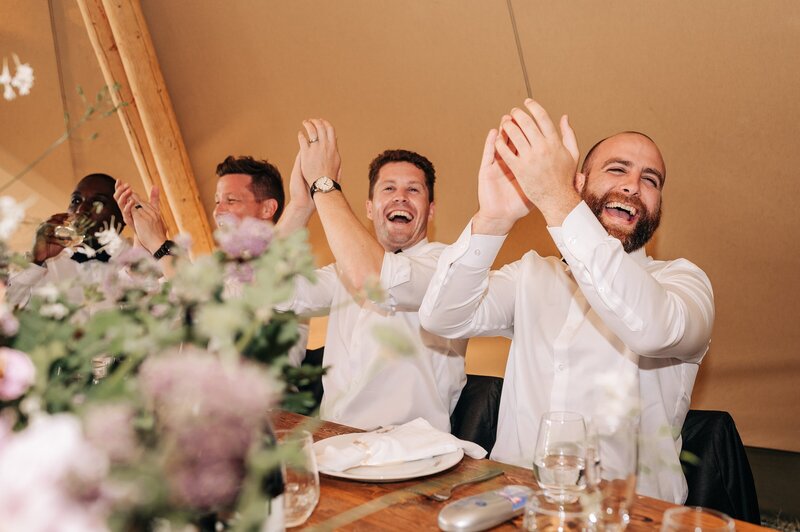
559 460
72 231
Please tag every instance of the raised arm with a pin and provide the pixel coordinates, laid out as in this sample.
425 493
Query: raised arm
358 255
300 207
657 309
657 312
464 299
144 217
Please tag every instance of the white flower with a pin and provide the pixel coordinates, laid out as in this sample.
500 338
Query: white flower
22 80
11 214
48 292
616 394
86 250
110 240
54 310
23 77
5 80
50 478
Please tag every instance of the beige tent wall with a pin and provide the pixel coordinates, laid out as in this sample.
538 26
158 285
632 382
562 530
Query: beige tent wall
716 83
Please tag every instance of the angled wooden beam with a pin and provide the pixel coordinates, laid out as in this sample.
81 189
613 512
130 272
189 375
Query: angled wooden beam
105 48
121 40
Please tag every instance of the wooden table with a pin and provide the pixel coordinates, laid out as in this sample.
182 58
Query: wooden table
349 505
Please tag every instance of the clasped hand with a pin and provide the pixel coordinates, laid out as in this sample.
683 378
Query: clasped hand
525 163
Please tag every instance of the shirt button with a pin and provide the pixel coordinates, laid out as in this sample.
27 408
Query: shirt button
561 367
477 252
572 240
601 289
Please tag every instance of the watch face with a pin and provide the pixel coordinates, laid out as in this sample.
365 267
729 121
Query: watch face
324 184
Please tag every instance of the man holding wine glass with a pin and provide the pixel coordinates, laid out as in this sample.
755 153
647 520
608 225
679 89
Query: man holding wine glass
66 239
602 308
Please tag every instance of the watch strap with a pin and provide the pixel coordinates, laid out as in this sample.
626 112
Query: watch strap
165 249
314 188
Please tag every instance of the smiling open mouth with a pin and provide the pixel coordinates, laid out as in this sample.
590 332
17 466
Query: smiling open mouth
620 210
400 216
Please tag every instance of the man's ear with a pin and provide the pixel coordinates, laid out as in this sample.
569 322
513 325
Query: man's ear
431 209
579 182
268 208
369 209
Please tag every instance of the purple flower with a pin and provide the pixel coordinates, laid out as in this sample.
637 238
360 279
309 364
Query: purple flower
243 239
109 427
209 413
17 373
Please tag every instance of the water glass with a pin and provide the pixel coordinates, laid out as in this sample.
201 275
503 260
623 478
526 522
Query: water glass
300 476
613 458
695 519
542 513
559 460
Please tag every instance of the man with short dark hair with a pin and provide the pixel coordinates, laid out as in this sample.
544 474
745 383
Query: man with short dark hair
248 187
604 330
67 239
367 385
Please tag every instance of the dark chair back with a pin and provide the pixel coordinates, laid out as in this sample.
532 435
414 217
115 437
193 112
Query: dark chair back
475 415
314 358
722 478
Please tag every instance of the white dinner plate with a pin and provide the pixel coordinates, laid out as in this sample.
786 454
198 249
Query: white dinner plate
389 472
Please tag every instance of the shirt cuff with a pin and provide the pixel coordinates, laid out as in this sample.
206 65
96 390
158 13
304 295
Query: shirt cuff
579 234
481 250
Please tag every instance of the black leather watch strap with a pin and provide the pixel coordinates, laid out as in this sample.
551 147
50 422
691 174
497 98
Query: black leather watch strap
165 249
314 189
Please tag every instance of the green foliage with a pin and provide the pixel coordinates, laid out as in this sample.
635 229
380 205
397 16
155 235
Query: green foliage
122 319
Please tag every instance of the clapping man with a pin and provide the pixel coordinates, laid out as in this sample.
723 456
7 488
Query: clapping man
606 308
362 388
246 187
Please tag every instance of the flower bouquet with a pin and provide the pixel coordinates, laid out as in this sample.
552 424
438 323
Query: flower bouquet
128 401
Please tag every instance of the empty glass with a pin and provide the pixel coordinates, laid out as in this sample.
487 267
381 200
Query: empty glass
559 460
695 519
613 457
300 476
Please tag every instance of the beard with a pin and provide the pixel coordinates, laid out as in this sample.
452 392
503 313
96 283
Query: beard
642 231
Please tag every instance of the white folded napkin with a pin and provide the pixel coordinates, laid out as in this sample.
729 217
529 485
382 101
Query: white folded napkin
414 440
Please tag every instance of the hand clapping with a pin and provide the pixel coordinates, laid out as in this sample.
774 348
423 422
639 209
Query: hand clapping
542 161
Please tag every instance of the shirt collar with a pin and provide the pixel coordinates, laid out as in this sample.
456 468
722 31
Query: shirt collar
640 256
416 247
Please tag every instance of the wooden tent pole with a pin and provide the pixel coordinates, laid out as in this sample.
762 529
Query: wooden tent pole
123 47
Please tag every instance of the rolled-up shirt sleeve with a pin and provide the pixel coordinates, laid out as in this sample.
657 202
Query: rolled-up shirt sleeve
669 313
464 299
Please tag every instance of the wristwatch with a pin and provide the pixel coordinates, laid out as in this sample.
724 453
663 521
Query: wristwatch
324 184
165 249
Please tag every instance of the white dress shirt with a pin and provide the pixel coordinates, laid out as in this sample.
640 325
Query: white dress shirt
57 270
368 385
601 312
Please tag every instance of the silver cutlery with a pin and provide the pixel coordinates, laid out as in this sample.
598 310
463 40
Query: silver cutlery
446 493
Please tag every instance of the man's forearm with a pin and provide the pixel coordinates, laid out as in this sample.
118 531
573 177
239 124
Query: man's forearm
293 219
359 256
